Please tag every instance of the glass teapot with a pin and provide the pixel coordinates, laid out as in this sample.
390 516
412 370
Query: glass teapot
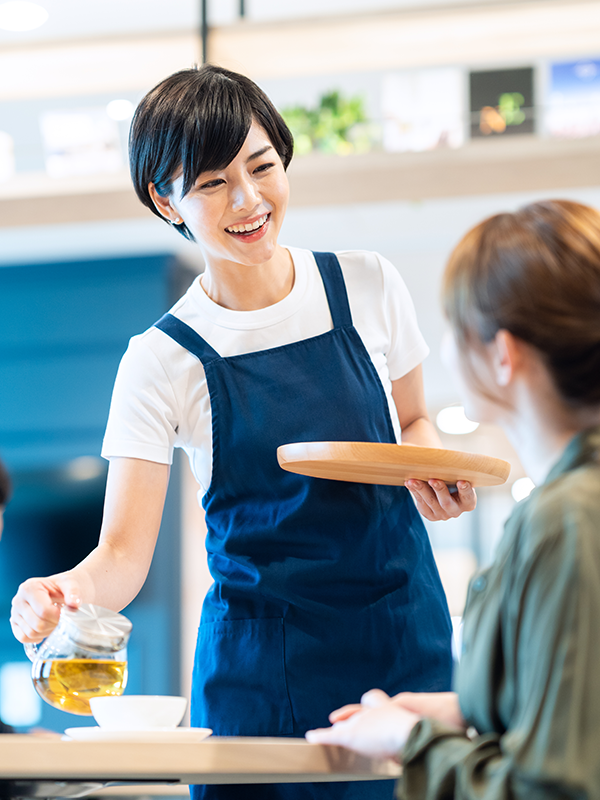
85 656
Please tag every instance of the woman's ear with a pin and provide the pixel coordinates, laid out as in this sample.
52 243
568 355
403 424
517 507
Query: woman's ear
163 206
506 357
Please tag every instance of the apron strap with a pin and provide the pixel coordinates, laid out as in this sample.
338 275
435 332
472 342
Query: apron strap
187 337
337 297
335 288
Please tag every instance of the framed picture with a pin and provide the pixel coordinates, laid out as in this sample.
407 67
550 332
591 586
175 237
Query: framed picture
423 109
573 105
502 102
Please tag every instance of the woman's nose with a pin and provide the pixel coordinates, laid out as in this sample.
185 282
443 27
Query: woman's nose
244 196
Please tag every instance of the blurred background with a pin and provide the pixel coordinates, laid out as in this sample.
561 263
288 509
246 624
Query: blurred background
413 120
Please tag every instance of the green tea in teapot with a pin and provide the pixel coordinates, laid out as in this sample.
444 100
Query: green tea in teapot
69 684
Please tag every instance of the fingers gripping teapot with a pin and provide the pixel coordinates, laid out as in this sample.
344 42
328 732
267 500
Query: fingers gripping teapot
85 656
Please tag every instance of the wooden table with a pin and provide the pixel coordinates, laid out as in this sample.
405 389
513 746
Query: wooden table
32 766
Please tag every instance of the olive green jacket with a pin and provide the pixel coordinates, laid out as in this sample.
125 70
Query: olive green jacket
529 677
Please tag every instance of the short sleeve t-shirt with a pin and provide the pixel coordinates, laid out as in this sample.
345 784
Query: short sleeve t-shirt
160 400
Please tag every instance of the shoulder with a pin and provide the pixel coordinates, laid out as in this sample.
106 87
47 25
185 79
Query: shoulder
562 517
567 502
152 353
359 264
368 262
368 269
146 368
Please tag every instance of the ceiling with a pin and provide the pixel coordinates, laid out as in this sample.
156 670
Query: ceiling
83 19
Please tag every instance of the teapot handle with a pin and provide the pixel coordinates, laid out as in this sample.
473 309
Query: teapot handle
31 650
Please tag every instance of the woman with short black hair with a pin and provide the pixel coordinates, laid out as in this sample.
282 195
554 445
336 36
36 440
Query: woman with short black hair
270 345
194 122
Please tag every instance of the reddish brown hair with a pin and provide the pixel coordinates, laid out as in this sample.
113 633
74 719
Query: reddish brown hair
536 274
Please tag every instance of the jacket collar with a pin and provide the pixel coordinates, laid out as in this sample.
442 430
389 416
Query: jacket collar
583 448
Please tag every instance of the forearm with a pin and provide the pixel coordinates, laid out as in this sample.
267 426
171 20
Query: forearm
441 763
422 432
409 399
109 576
114 572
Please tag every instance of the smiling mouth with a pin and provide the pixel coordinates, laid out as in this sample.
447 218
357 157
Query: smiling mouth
249 228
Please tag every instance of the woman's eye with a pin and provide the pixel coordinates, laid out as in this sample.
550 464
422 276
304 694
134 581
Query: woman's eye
211 184
263 167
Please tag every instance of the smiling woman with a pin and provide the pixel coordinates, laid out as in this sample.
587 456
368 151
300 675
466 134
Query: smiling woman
235 214
223 187
321 588
166 141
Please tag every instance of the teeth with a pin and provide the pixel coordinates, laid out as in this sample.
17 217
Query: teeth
254 226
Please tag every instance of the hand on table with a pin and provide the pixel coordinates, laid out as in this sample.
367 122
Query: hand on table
442 706
435 501
37 603
377 727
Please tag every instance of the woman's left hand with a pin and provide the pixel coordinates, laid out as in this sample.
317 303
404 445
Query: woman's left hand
441 706
435 501
378 730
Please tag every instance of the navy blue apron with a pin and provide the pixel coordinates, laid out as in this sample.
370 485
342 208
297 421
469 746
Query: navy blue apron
322 589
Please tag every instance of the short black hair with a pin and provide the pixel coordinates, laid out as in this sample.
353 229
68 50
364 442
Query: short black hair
5 485
198 119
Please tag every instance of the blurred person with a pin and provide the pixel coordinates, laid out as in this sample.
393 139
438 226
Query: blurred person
5 494
270 345
521 294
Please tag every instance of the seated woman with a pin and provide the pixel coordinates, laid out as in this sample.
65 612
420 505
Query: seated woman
522 296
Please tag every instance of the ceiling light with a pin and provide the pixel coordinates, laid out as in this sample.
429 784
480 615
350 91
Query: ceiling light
120 109
19 15
522 488
85 468
453 420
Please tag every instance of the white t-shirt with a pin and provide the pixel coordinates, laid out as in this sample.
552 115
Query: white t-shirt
160 399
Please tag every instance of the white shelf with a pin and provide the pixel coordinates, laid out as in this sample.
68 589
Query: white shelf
524 163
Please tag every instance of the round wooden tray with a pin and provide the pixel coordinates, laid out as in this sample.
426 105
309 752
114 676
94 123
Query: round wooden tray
390 464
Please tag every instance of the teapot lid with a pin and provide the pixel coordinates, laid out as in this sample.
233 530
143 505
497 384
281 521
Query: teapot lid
94 626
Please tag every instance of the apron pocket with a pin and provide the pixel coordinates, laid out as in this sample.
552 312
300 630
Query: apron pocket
239 683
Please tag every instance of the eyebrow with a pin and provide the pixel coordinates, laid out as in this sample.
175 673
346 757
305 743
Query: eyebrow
259 153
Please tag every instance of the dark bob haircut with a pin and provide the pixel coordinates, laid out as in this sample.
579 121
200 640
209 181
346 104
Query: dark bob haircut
197 121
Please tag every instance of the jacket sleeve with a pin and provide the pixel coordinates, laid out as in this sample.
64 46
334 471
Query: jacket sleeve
551 745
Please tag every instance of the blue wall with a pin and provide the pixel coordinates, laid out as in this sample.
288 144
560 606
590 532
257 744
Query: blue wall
63 330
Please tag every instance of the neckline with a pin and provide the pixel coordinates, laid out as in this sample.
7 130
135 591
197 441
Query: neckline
261 317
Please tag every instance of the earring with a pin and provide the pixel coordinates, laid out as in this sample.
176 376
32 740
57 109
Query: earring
177 221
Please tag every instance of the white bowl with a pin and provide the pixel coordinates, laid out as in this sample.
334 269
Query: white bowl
138 712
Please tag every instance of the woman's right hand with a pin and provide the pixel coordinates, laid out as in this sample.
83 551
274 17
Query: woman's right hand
37 603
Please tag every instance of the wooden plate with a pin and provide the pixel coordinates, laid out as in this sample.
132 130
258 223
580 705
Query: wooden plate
390 464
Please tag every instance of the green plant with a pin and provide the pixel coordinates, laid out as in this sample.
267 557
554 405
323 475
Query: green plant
337 125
